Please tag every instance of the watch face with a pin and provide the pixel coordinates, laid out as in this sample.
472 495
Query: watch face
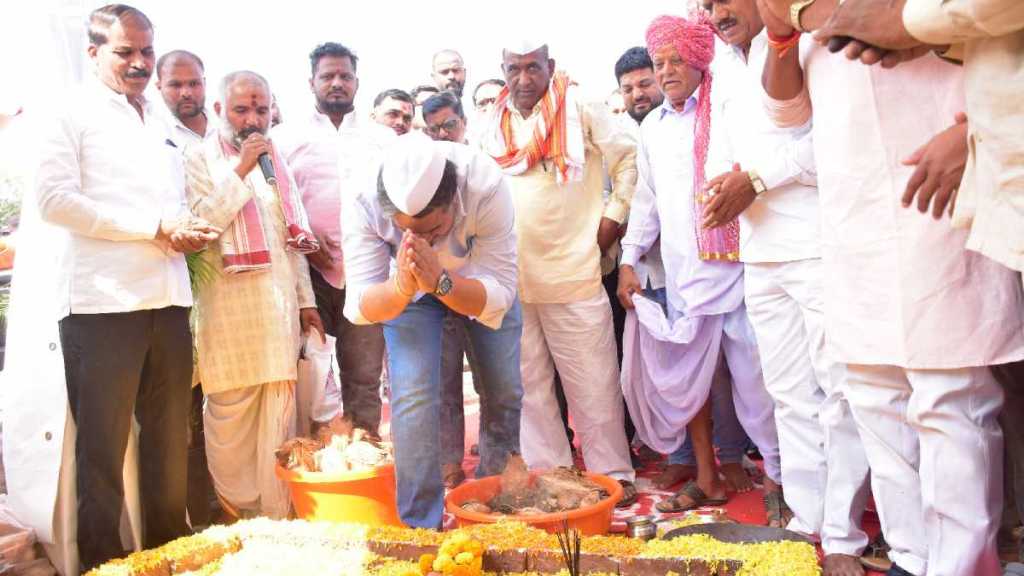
444 284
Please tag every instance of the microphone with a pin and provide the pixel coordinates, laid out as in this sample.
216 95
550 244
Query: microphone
267 167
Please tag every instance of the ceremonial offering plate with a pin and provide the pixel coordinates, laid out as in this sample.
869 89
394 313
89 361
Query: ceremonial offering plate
737 533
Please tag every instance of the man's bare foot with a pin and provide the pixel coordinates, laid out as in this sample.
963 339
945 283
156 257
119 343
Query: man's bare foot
674 474
692 495
736 477
841 565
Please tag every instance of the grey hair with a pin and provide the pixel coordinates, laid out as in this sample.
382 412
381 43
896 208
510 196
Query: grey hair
241 76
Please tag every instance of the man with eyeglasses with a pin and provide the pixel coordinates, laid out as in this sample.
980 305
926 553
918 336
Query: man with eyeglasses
444 118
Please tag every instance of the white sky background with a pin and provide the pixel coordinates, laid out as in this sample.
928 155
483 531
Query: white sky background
40 41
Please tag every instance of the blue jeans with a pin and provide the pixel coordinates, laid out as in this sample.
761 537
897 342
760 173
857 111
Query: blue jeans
413 342
729 436
454 343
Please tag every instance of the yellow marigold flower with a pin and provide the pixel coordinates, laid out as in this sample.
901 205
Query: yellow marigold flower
426 563
474 547
443 563
463 558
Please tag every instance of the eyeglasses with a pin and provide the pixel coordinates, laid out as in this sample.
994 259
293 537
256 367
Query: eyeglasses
449 126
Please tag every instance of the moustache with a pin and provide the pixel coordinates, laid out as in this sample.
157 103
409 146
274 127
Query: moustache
137 73
727 23
248 131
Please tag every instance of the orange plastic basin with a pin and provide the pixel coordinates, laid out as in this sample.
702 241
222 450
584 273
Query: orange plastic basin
361 497
589 520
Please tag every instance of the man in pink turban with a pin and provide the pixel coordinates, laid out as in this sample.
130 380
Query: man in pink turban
671 348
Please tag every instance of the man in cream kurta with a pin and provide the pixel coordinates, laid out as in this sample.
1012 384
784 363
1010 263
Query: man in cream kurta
916 318
988 36
562 227
248 323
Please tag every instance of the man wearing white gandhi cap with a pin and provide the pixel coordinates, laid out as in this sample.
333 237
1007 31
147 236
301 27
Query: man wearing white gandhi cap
433 228
555 149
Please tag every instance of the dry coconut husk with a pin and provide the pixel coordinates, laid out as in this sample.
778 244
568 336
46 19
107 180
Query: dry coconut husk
523 494
337 447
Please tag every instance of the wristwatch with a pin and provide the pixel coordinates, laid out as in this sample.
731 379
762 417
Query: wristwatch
794 13
444 284
756 182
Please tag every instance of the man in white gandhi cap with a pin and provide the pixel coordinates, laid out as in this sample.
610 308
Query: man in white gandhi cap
555 150
433 229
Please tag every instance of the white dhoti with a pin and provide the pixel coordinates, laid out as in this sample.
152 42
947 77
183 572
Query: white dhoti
936 455
668 367
243 428
576 338
824 468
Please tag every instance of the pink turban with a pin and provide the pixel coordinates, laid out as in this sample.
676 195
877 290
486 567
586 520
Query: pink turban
694 40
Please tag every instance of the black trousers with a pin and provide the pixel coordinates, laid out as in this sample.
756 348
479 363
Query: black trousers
119 366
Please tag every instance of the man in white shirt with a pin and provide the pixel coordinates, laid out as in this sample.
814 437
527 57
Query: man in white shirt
323 150
705 314
108 178
181 81
434 232
641 95
775 195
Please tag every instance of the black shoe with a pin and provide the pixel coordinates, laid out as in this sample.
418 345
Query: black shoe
897 571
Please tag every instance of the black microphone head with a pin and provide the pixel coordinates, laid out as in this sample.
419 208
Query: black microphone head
267 167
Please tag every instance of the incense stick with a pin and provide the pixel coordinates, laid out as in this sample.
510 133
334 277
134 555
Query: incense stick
570 541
